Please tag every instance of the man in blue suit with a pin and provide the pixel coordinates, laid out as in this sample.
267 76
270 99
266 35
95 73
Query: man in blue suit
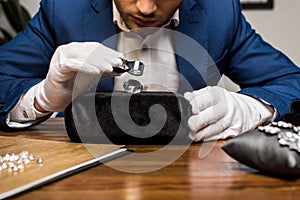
38 68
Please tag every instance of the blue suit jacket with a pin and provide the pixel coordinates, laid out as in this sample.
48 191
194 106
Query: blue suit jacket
218 26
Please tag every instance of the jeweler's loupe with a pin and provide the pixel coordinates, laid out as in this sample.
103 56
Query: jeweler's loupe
135 68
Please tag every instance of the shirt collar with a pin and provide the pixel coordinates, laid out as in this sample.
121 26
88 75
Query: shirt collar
117 19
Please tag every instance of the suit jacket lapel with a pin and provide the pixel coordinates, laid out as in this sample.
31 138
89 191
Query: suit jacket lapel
99 26
98 23
192 63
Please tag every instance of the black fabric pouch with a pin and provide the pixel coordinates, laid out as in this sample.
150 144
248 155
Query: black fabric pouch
123 118
263 152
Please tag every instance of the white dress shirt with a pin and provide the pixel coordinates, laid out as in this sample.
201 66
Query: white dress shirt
155 50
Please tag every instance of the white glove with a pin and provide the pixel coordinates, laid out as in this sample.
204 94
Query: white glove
220 114
91 59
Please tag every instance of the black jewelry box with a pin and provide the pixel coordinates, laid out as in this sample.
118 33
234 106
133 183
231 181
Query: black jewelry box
124 118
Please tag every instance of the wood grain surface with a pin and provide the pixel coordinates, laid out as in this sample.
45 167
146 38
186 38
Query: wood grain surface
215 176
57 156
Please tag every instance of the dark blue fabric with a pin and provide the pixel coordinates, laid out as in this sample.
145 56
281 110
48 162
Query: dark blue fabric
218 26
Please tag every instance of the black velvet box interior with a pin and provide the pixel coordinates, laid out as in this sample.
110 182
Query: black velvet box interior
123 118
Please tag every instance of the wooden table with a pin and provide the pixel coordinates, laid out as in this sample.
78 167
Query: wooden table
216 176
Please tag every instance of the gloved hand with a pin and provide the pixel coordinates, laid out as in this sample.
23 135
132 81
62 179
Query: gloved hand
89 60
220 114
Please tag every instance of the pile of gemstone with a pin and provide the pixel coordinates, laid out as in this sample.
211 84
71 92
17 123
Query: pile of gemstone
17 162
287 134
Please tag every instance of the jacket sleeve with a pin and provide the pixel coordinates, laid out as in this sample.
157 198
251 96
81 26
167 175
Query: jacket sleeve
259 69
24 61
